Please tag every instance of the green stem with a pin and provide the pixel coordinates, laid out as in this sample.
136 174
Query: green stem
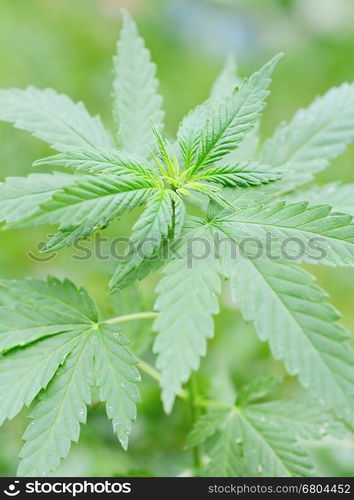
195 411
131 317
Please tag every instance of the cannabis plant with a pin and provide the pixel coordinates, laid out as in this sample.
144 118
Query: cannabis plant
213 184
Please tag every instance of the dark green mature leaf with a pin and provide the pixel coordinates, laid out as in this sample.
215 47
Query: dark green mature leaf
54 118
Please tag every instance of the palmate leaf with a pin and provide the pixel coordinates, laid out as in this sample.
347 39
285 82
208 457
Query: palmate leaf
136 101
339 196
292 314
24 372
59 413
54 118
244 174
34 309
300 232
186 303
21 196
100 161
235 117
63 360
263 439
148 233
314 136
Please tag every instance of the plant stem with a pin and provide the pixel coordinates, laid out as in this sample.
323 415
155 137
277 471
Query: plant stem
195 410
150 370
131 317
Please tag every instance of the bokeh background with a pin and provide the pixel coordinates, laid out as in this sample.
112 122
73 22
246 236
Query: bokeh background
69 46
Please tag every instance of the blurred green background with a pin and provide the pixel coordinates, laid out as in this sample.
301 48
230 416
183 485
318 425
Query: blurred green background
69 46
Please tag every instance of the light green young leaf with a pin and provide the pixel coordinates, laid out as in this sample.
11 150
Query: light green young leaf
54 118
227 79
24 372
136 101
57 417
34 309
292 314
148 233
186 303
235 117
339 196
257 389
21 196
117 376
244 174
100 161
192 125
314 136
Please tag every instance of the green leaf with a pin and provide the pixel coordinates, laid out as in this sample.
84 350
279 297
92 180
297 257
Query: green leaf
192 125
24 372
207 425
263 439
292 314
227 79
136 101
314 136
60 335
148 233
101 161
257 389
57 417
34 309
225 454
117 376
89 204
54 118
300 232
186 303
235 117
21 196
339 196
248 173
